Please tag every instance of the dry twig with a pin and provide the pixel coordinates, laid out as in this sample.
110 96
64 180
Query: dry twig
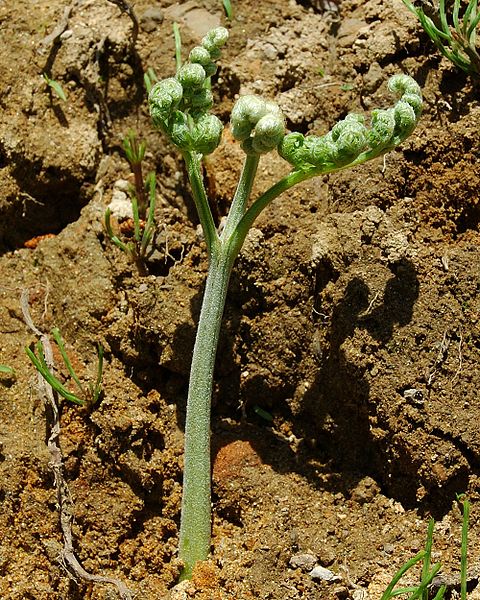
65 505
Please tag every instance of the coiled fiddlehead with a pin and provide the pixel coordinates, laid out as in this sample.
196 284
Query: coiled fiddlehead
179 105
350 141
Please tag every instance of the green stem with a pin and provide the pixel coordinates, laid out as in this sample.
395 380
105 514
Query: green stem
428 554
293 178
400 573
246 222
195 524
242 194
464 549
193 164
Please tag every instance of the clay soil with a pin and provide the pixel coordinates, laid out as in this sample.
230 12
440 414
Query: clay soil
346 409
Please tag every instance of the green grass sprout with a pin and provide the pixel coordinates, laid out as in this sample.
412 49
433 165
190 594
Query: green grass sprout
465 503
262 413
227 6
150 78
56 87
454 35
180 107
135 153
420 591
7 375
87 394
142 198
178 45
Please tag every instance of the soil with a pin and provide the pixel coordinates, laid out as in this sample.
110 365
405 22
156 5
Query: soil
345 410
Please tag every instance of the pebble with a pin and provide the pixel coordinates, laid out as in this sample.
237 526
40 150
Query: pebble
303 561
270 51
324 574
122 185
121 205
151 18
388 548
180 591
360 594
366 491
66 34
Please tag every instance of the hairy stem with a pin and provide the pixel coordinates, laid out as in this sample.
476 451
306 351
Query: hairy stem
246 222
195 519
242 194
193 164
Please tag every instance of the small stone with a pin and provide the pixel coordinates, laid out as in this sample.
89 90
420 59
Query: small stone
303 561
151 18
388 548
326 556
360 594
181 591
324 574
270 51
120 206
365 491
373 78
414 395
122 185
66 34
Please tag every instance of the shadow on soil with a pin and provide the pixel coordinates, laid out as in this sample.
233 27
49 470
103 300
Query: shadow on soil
334 421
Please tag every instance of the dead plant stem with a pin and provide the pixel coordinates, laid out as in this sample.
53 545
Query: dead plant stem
64 501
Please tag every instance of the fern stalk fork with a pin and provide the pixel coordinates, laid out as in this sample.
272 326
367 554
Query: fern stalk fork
180 107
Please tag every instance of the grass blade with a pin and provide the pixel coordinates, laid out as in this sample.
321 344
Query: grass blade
61 346
227 5
178 45
443 18
108 226
56 87
428 554
41 366
389 593
98 383
464 548
456 8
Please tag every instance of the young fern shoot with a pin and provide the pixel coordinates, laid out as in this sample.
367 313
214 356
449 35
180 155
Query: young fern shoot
180 108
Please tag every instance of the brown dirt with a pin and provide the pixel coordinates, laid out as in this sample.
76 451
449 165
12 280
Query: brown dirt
352 316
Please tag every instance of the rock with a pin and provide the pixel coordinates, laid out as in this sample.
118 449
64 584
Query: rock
151 18
122 185
365 491
324 574
303 561
181 591
198 20
373 78
121 205
360 594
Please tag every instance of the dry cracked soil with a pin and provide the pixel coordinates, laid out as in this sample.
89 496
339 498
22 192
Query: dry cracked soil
345 410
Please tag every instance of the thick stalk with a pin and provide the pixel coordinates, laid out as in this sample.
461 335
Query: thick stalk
242 194
245 223
195 524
